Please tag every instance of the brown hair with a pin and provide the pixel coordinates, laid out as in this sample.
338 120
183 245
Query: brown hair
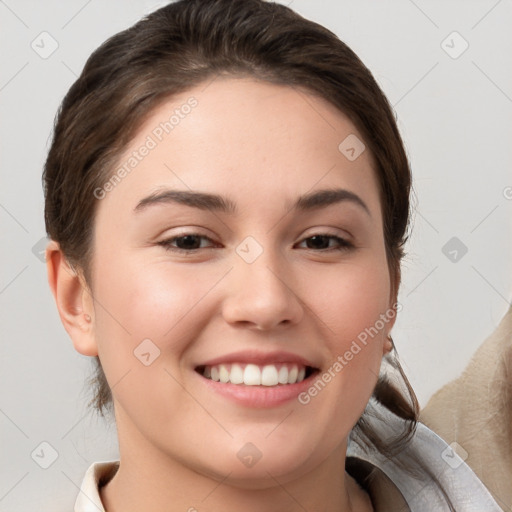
176 48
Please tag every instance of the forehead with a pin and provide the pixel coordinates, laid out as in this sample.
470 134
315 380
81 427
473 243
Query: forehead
247 136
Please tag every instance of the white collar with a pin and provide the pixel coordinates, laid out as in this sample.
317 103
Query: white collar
88 499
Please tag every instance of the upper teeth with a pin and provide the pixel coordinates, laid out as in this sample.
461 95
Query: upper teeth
254 375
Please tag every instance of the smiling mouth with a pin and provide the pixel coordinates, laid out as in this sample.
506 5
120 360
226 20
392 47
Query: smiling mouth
244 374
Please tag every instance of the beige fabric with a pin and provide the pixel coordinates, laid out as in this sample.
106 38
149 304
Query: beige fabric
475 411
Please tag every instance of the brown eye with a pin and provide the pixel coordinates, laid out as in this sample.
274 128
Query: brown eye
322 242
185 243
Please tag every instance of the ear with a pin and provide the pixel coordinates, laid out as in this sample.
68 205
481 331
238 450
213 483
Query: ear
74 300
391 313
393 308
387 347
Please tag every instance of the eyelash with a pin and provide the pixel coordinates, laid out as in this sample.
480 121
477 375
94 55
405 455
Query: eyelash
344 245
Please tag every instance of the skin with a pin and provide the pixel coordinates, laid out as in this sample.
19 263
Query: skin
262 145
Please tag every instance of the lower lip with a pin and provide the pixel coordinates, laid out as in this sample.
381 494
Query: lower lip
259 396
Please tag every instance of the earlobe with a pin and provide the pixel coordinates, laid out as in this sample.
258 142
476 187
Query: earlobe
393 308
388 344
73 299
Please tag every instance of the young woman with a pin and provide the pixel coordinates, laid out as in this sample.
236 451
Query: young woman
227 196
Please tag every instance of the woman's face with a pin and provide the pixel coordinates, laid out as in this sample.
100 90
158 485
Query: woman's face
215 247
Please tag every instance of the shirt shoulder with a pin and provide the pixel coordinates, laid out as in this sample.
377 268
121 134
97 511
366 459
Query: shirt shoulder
427 474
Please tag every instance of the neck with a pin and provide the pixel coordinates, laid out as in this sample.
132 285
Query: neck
148 479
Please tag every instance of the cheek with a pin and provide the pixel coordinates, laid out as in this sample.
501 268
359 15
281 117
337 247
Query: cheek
157 301
352 304
349 298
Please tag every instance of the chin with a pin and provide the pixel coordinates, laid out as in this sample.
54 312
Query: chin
251 468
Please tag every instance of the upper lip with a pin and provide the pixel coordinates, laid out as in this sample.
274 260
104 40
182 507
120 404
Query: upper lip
260 358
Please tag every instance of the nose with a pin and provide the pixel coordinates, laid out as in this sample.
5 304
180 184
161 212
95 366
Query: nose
260 296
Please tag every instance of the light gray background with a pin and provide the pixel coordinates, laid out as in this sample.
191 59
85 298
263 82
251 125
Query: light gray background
455 116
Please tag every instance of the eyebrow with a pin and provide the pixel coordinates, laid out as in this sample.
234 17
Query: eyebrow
205 201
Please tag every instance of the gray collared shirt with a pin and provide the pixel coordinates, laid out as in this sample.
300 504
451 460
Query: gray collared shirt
436 476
